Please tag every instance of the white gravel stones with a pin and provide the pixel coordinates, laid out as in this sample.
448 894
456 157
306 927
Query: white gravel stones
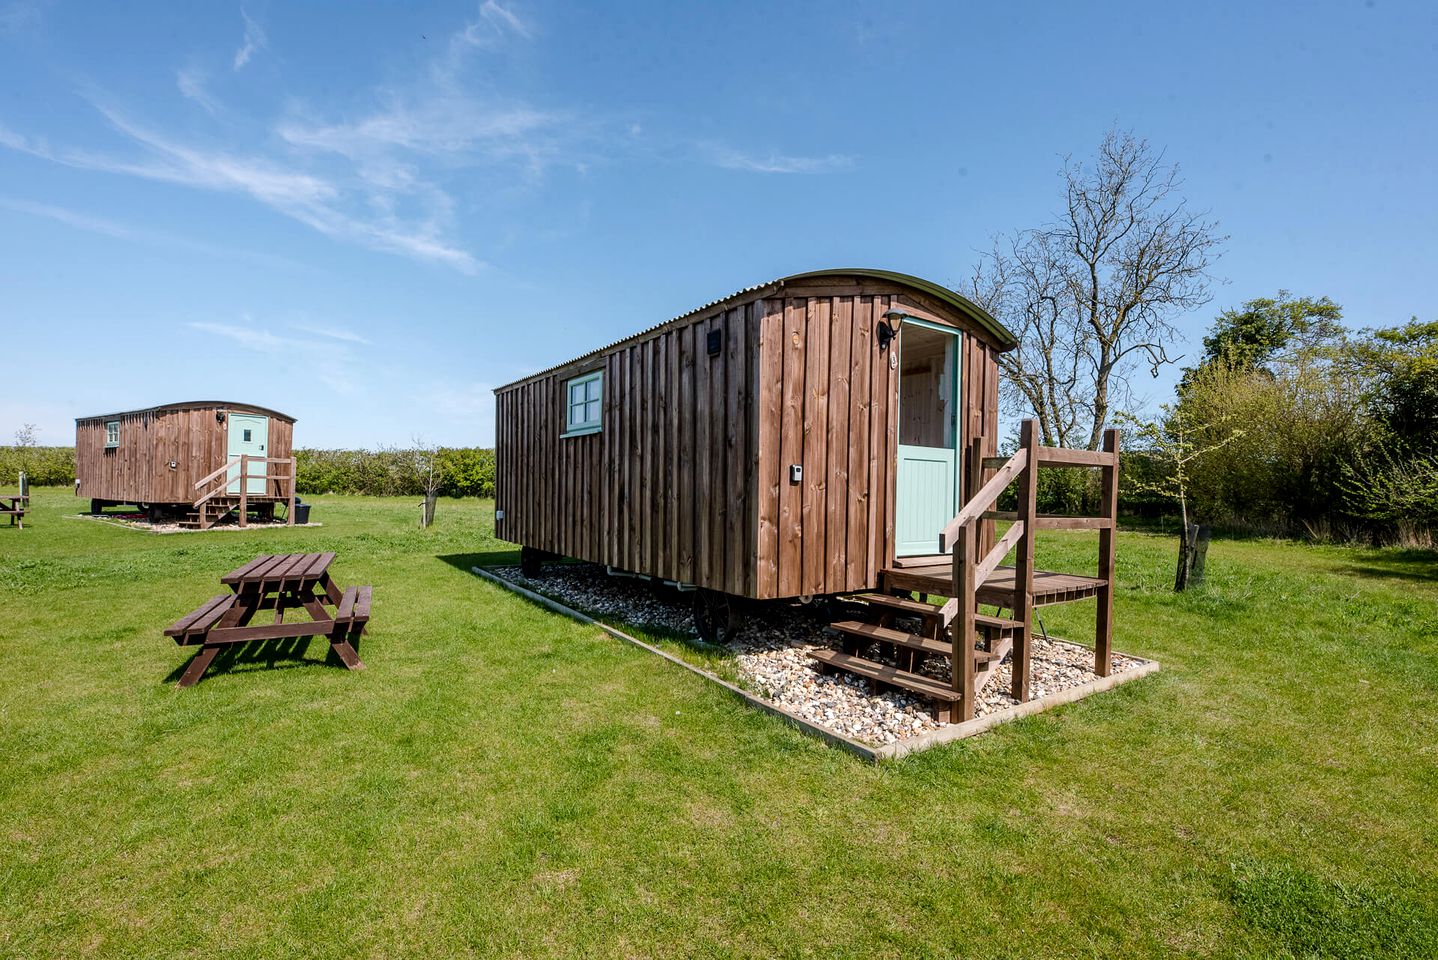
770 656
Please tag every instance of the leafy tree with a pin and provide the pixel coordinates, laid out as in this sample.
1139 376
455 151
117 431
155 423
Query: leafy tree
1400 367
1252 336
1174 442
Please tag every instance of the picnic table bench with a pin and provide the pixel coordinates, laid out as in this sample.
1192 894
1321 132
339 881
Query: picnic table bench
275 582
15 508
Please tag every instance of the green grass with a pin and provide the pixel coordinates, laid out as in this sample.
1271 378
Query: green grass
502 781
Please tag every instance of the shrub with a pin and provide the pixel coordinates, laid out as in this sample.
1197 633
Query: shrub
390 472
45 466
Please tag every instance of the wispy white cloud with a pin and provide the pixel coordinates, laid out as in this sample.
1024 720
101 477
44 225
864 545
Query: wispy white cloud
311 199
503 17
120 231
334 333
254 41
71 218
732 159
337 366
466 404
19 15
246 335
191 83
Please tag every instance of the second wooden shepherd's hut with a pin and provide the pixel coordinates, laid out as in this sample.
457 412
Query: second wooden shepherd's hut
830 433
201 460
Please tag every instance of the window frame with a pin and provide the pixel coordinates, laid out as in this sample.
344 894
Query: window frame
112 439
585 426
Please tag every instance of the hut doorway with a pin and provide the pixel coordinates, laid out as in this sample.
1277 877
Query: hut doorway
927 484
249 434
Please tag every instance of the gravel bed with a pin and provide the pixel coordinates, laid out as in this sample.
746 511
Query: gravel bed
139 521
770 656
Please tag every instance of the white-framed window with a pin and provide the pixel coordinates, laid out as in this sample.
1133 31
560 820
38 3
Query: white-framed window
583 400
112 434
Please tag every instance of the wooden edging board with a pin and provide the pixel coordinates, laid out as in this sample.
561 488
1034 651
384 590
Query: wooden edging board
111 522
945 734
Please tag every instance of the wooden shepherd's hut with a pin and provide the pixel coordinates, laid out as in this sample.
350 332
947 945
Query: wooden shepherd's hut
827 434
201 460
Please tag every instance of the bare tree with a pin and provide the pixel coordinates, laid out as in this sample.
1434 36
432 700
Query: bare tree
424 459
1094 295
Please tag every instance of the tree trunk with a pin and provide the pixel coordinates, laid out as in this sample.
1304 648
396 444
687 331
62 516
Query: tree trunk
1192 555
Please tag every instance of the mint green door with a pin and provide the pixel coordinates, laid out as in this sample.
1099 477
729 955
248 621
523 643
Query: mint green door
927 487
249 434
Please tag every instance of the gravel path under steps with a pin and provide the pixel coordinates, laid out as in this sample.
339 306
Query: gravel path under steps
771 658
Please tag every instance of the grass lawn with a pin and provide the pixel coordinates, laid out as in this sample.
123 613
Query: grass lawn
503 781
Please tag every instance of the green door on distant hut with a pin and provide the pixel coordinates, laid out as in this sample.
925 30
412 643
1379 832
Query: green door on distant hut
249 434
927 487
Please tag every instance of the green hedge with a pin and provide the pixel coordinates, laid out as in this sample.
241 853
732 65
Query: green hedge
464 472
45 466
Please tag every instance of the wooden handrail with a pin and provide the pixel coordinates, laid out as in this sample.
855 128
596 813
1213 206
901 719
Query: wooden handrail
244 474
981 501
222 468
1001 549
1065 457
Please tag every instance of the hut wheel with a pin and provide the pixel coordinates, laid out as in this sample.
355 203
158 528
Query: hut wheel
531 562
714 616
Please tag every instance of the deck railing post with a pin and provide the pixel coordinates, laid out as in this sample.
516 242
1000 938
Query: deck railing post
961 654
244 488
290 512
1103 623
1024 561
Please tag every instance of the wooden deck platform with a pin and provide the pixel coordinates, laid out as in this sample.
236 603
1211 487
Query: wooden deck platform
998 590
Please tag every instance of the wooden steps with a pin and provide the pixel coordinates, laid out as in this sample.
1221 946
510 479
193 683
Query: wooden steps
904 605
902 638
899 638
996 624
882 673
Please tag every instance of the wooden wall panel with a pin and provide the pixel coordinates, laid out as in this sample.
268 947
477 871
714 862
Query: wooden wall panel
138 470
663 488
689 478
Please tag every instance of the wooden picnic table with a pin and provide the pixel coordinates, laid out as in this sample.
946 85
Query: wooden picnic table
275 582
16 508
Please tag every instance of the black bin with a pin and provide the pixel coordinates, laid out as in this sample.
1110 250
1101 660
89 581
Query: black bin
302 512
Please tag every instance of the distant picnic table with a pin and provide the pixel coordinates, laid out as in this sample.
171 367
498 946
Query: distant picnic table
275 582
15 507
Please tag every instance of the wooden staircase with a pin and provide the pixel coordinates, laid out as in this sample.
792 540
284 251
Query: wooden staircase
892 647
895 636
209 512
215 499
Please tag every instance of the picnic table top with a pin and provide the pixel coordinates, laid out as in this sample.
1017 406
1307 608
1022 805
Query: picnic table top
278 569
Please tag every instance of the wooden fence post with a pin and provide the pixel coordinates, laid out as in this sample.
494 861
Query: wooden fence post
1103 625
294 478
244 488
961 652
1024 561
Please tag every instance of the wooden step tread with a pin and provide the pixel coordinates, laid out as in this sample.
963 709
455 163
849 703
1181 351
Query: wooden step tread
996 623
907 605
913 682
901 638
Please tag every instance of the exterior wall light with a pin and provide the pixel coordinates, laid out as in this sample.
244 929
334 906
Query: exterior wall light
888 328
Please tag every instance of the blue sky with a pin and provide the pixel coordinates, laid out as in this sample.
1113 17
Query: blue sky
369 217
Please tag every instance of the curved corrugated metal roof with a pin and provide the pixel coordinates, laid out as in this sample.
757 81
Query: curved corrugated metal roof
953 298
191 404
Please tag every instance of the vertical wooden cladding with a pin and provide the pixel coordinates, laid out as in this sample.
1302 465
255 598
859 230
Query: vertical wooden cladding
826 402
665 488
689 479
138 470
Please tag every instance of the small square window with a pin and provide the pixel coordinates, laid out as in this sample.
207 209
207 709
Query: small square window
112 434
584 398
247 436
